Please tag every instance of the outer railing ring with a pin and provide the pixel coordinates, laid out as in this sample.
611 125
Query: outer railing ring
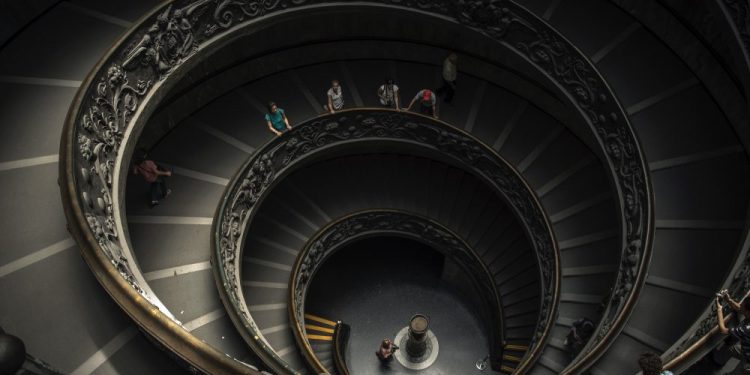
109 110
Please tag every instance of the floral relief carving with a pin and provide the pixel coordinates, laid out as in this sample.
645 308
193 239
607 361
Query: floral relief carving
172 36
305 139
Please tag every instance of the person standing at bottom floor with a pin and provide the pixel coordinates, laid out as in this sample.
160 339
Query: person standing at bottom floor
651 364
335 97
450 73
427 103
386 350
388 94
276 119
155 176
742 331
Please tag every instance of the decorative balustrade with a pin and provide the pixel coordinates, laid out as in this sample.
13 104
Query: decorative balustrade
383 223
351 130
114 101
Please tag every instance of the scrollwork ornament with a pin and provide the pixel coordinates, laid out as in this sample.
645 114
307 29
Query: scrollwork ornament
283 153
167 43
101 131
173 34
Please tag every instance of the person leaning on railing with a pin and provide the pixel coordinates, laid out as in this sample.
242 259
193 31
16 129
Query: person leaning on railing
276 119
427 103
742 331
388 94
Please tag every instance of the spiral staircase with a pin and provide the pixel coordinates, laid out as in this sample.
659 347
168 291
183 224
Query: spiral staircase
639 254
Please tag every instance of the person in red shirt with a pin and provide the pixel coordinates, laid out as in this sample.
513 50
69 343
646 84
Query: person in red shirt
427 103
386 350
155 176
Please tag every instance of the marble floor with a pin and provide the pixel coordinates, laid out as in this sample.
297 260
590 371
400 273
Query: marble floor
376 285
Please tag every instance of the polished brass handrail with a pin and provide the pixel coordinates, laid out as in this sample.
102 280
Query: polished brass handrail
111 106
697 345
340 338
255 179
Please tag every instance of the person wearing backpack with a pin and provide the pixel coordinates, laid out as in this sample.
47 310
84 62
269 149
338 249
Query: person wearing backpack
427 103
388 94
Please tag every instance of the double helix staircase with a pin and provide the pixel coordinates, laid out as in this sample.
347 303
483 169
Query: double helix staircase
698 165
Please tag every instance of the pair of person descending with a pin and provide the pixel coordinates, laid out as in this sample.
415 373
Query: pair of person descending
278 122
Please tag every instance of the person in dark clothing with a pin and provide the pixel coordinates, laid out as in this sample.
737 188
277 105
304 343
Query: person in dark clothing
742 331
450 73
155 176
386 350
651 364
579 334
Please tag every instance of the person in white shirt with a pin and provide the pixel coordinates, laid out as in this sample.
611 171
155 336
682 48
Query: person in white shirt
335 97
450 73
388 94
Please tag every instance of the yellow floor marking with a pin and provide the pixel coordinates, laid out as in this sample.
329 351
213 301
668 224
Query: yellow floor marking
320 337
320 320
318 328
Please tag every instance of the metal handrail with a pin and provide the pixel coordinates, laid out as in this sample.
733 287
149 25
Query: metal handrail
280 156
111 105
340 339
358 225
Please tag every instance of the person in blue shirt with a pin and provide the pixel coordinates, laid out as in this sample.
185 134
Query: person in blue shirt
276 119
651 364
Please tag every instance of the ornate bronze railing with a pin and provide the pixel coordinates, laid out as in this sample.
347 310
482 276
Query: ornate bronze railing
340 340
351 130
704 334
365 224
115 100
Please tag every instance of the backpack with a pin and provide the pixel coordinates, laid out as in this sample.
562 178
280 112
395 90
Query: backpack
427 97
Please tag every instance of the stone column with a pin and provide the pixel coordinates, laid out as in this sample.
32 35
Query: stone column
416 345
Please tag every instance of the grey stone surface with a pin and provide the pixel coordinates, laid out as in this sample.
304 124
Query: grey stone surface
60 45
59 310
32 118
32 216
401 278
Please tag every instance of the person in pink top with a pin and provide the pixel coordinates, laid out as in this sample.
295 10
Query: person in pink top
155 176
386 350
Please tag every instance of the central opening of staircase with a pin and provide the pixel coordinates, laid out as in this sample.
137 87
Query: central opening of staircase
377 285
